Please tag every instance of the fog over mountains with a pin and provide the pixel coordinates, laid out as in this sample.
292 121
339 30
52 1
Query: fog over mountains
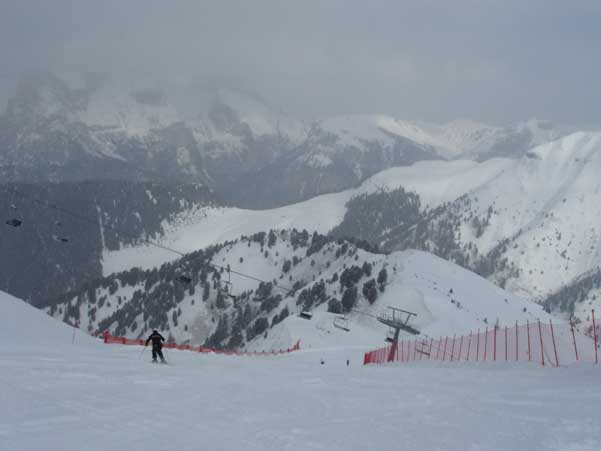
217 166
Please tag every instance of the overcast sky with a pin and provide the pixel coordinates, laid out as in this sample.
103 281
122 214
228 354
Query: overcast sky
496 61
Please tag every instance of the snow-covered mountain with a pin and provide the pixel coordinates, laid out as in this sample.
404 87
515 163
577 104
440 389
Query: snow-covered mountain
300 272
459 139
530 224
252 154
51 132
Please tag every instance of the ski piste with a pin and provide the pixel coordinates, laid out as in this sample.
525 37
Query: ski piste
288 402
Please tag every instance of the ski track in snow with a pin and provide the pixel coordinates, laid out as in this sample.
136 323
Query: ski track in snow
91 396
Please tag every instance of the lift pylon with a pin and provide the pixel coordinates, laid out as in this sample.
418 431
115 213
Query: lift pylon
397 320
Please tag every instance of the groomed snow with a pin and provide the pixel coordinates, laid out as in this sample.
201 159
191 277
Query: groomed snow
90 396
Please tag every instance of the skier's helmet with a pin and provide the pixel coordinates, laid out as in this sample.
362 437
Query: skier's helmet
155 331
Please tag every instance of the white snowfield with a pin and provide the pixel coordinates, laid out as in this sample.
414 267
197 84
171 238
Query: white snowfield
55 395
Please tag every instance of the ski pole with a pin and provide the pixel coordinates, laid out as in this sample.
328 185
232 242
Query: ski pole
168 360
143 349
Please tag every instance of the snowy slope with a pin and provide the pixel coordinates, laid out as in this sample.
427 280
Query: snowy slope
25 326
99 397
446 298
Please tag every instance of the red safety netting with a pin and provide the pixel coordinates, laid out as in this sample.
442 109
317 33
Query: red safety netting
545 343
112 339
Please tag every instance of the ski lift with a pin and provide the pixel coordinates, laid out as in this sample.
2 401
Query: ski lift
56 236
423 348
342 323
228 284
399 320
306 315
184 279
390 336
227 289
14 221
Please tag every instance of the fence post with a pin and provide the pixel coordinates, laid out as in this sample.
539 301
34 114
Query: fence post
574 339
414 349
469 346
438 349
444 353
540 335
554 347
595 337
516 340
485 343
430 350
528 329
106 336
478 345
453 347
460 348
494 341
506 343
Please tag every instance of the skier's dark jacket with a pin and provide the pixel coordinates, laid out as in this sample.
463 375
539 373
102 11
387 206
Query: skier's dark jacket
156 339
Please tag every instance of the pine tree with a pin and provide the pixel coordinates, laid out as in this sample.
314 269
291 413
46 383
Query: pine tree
349 298
382 278
370 291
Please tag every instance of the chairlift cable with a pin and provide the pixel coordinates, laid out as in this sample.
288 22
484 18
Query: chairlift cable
67 212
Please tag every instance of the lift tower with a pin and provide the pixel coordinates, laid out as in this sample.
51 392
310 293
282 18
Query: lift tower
398 320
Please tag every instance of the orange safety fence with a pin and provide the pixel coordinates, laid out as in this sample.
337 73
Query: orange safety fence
546 343
112 339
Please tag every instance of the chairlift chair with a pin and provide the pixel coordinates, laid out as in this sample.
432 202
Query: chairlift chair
342 322
56 235
422 347
390 336
228 285
184 279
14 222
306 315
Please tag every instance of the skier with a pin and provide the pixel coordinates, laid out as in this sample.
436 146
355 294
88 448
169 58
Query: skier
157 345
